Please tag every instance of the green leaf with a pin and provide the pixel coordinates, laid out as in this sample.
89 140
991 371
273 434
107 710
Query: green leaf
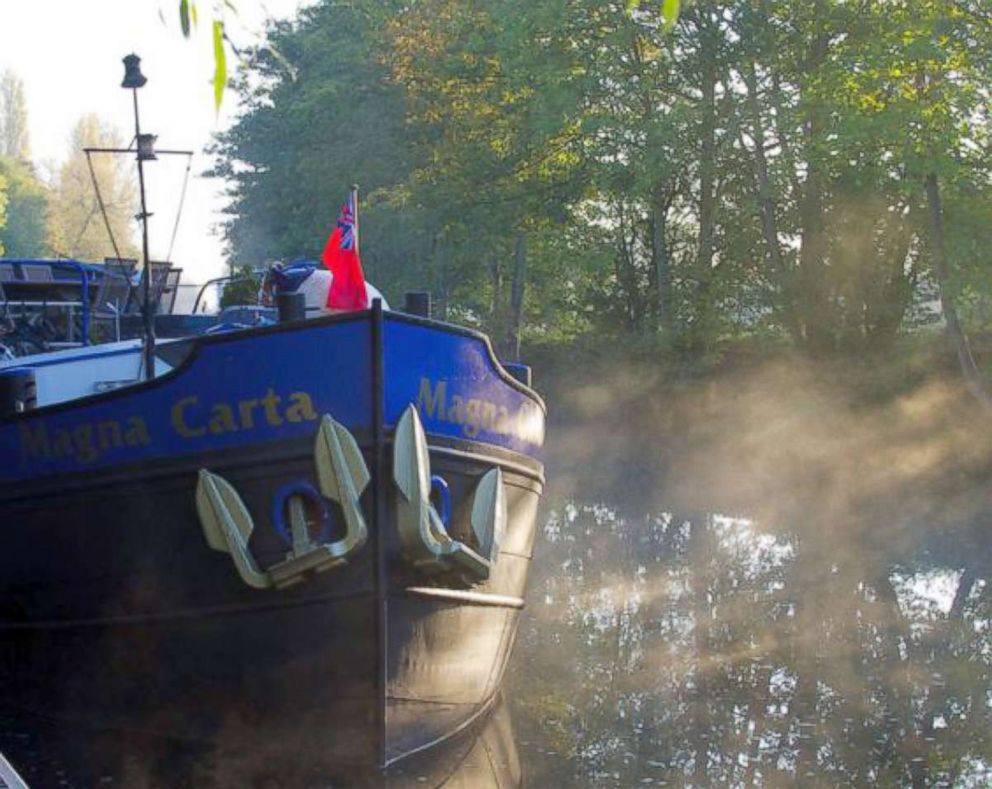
630 5
193 14
670 13
220 64
184 17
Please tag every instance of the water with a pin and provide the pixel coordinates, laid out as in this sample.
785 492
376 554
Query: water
700 649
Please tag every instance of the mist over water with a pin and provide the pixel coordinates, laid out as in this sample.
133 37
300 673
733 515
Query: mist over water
770 577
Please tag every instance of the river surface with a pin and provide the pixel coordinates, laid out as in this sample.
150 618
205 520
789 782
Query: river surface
700 649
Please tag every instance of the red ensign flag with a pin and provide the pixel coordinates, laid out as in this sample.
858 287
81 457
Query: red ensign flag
347 291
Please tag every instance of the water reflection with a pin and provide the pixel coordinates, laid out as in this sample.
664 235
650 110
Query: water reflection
693 648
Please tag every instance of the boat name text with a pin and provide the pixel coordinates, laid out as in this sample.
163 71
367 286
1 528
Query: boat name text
190 418
84 442
475 415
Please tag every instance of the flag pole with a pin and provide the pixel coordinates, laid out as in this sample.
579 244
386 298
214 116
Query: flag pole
354 205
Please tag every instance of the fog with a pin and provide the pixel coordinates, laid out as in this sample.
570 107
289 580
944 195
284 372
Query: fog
777 575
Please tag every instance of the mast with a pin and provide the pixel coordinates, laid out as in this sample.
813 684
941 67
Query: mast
145 147
354 206
134 79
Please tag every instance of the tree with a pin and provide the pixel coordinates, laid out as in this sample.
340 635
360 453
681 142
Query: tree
13 117
3 209
553 167
917 80
76 226
27 208
301 142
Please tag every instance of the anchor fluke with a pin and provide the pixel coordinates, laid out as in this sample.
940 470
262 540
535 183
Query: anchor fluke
227 525
341 475
489 512
425 540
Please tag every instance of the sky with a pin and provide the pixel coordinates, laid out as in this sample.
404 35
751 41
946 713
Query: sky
68 55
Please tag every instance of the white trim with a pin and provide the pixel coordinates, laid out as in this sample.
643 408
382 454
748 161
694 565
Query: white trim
9 776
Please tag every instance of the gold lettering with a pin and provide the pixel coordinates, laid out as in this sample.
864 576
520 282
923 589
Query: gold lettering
34 441
301 409
472 414
456 413
432 403
245 408
179 423
110 435
269 402
136 434
62 444
82 436
222 419
488 416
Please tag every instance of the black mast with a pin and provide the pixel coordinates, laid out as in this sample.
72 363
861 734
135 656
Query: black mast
134 79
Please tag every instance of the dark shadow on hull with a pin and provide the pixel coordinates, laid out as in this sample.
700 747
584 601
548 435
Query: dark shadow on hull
52 753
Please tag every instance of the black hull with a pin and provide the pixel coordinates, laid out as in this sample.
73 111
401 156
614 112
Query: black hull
116 616
139 626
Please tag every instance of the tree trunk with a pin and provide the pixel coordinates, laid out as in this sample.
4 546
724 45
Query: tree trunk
626 270
497 322
941 269
813 297
660 261
769 212
517 285
441 253
707 191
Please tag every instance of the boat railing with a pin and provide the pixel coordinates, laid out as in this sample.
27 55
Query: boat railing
164 288
64 295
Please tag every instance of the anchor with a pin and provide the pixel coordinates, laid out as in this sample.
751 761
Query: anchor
422 532
342 475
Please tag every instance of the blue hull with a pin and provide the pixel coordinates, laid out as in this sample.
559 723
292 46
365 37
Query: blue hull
115 612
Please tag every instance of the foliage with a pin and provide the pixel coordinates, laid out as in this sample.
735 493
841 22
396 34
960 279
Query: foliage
76 226
632 169
3 209
243 289
27 204
13 117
